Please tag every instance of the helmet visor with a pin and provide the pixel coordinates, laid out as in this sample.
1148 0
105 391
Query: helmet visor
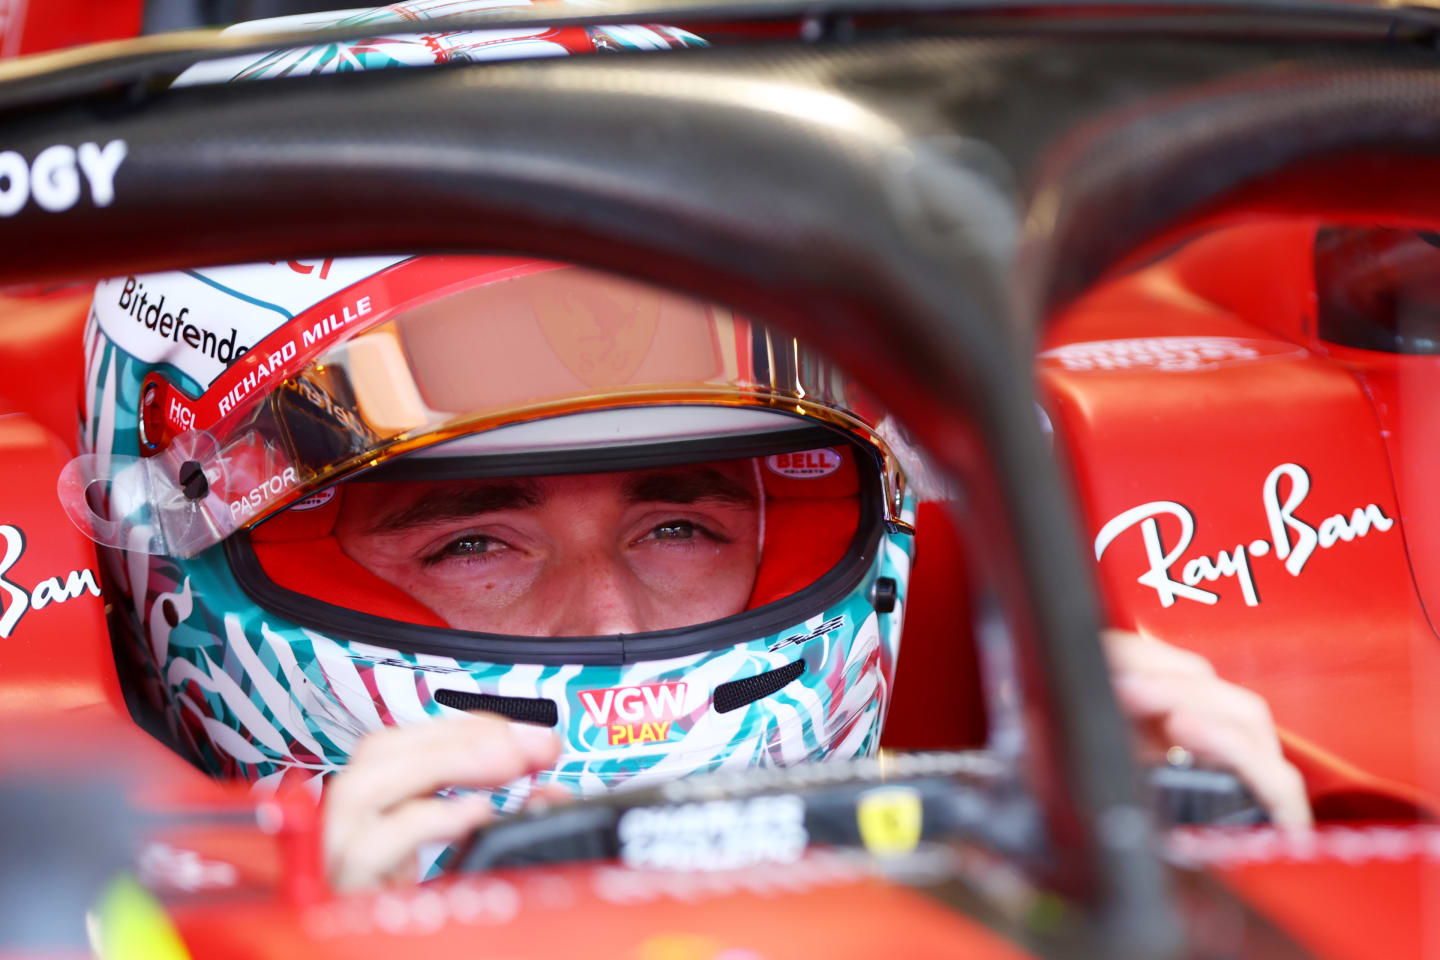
461 346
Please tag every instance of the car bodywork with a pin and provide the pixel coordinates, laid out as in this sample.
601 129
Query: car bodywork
27 27
938 194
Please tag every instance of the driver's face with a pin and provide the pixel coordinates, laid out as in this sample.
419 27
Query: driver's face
568 555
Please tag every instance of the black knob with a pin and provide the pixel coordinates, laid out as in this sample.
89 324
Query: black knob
884 594
192 480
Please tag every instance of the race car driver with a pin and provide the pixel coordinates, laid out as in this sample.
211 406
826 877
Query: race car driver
349 496
653 537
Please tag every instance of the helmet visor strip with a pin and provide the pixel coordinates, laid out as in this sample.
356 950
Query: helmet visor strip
488 349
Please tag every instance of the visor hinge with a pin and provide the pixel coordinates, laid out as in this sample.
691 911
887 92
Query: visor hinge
883 595
192 480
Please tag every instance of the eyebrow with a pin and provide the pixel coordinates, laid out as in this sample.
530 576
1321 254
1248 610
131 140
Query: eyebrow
686 486
457 503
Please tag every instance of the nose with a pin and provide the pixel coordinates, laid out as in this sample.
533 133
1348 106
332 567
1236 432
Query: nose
599 596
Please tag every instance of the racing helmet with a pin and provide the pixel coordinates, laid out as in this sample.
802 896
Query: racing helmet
247 428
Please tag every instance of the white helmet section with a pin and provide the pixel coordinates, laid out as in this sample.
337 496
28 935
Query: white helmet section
419 49
607 428
201 321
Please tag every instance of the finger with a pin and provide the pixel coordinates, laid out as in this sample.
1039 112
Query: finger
396 744
389 844
1221 723
550 795
1289 802
1146 696
1130 653
1206 703
1221 741
1163 686
399 763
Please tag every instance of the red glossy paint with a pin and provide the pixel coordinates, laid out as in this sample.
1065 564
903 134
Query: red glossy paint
34 26
54 645
818 907
1347 893
1206 379
41 356
937 703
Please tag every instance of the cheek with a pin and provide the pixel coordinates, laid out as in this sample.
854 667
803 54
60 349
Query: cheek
695 585
489 598
479 585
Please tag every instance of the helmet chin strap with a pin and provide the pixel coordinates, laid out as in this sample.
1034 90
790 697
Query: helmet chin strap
759 493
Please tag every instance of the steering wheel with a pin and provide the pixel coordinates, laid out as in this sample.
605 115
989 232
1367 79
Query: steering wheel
887 806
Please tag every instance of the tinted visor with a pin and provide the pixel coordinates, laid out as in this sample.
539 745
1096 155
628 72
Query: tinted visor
446 352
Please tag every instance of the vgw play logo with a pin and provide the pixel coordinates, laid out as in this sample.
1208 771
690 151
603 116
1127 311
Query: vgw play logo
639 714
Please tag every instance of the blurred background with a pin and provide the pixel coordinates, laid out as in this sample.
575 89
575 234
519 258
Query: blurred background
35 26
160 15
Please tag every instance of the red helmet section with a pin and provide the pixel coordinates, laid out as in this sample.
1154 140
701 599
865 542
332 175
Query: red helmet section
810 522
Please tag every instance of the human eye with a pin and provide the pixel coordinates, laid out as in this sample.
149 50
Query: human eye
678 532
467 547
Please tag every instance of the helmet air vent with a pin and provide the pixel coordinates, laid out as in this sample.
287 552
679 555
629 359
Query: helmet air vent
536 710
738 693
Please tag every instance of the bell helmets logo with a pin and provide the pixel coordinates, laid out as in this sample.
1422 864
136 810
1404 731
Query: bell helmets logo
806 464
638 714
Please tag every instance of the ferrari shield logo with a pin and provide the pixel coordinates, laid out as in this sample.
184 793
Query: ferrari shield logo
600 327
890 819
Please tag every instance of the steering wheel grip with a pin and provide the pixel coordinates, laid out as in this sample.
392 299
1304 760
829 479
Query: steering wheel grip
1195 796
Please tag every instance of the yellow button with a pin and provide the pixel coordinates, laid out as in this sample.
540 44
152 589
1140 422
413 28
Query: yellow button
890 819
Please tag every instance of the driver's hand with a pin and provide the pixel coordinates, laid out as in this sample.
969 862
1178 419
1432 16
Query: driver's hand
1174 698
381 809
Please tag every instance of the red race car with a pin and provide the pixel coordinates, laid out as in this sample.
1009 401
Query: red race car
640 398
27 27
